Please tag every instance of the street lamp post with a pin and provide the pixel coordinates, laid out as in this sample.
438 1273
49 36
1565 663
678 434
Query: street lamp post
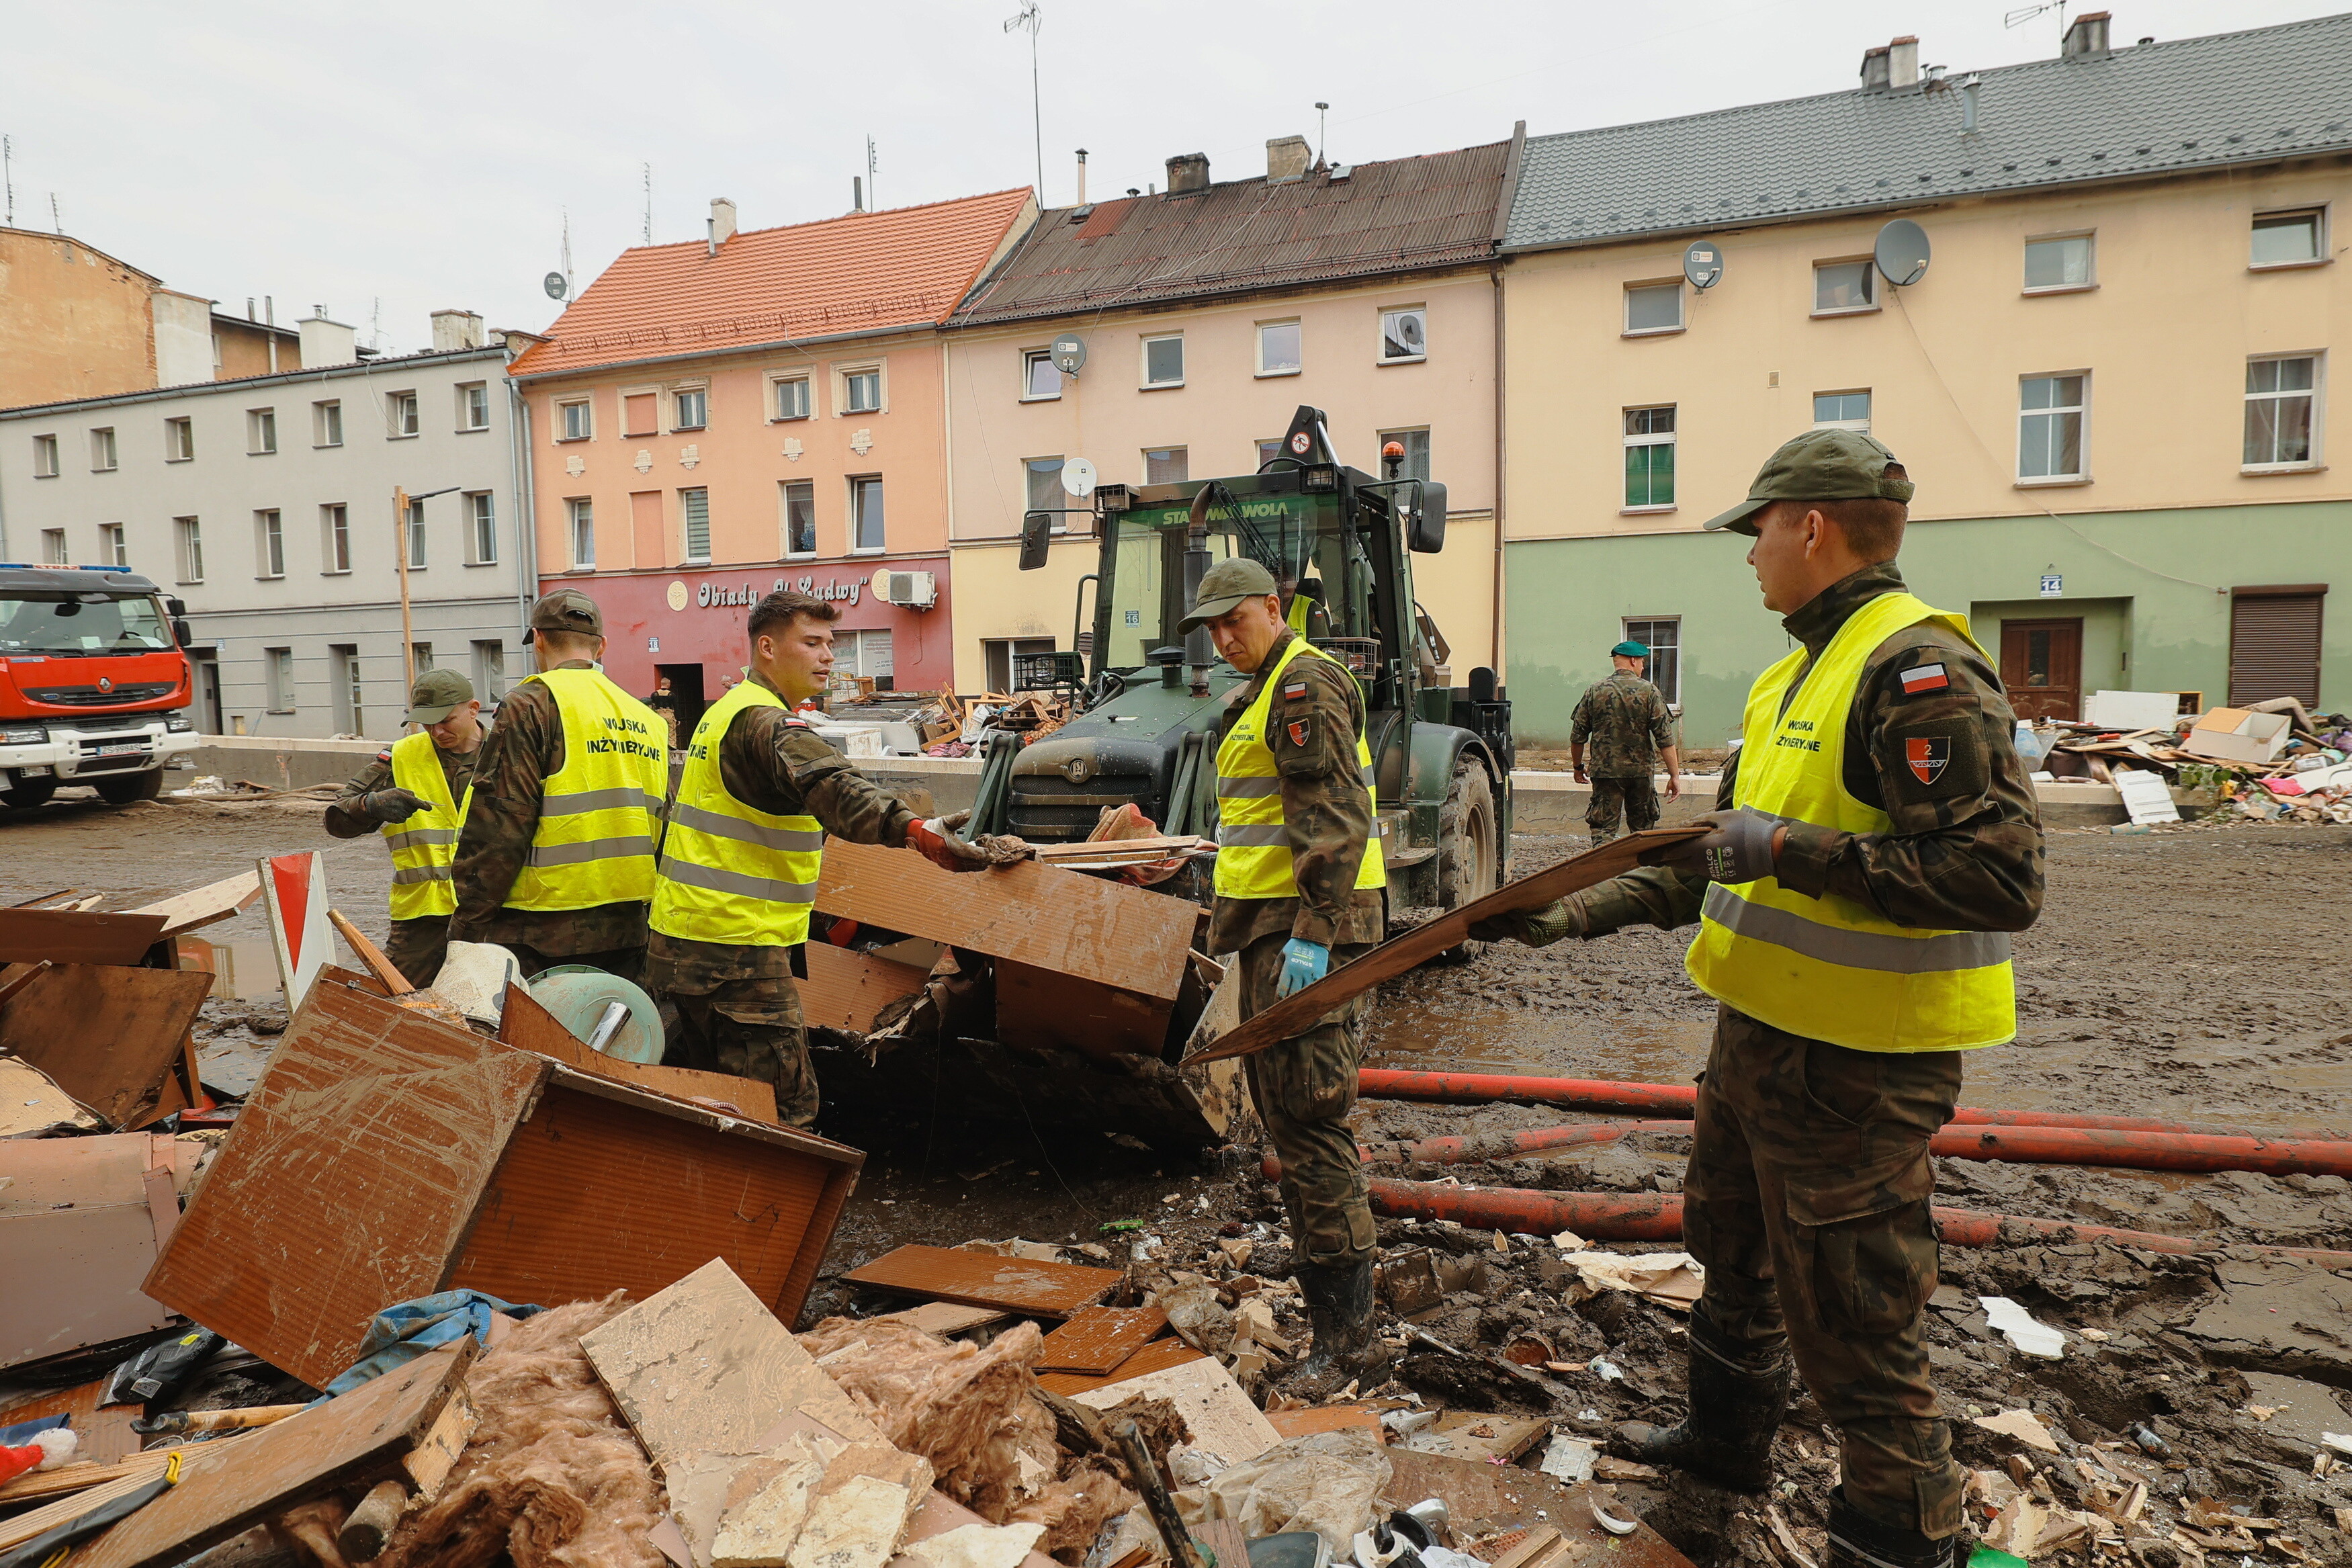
401 501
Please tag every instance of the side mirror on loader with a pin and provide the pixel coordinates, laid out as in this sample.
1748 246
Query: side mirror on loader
1036 539
1425 533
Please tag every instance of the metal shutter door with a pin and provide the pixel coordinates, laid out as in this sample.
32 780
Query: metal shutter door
2275 647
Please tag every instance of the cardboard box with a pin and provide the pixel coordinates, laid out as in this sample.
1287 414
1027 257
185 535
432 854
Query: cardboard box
2234 735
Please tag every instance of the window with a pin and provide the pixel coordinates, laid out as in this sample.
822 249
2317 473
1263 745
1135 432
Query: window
481 528
1404 335
582 514
1042 477
1841 411
190 535
1163 361
281 679
335 538
861 390
416 536
696 506
692 408
101 449
2280 396
474 406
1268 451
799 515
1161 466
53 547
1039 378
1281 349
260 430
400 407
865 514
863 653
2057 265
573 421
1664 639
420 657
998 654
792 397
2289 239
112 548
1653 308
491 670
1650 458
45 457
1416 453
180 439
2050 428
350 693
327 423
268 544
1843 286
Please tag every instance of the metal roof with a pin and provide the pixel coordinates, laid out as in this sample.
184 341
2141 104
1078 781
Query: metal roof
374 365
2164 108
1405 214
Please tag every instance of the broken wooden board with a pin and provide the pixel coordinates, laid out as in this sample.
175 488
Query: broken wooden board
33 1106
106 1033
1156 1356
1481 1440
1095 1339
847 990
225 1489
944 1318
1042 1008
526 1024
1029 1287
1302 1010
200 906
1221 1417
104 1430
81 1220
69 936
1487 1500
1325 1419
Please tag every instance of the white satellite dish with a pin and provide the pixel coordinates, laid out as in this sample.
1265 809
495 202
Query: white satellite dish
1411 335
1078 478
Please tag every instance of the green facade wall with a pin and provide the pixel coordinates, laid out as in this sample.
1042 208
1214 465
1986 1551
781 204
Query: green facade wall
2152 587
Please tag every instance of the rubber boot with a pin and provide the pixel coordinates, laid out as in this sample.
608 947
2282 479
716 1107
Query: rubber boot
1859 1542
1736 1404
1347 1349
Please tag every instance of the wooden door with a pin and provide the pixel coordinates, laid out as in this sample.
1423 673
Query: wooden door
2042 665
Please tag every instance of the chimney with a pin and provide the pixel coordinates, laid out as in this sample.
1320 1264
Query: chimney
2086 38
722 220
1968 86
1188 172
1285 159
454 331
1873 70
1903 64
1082 177
325 342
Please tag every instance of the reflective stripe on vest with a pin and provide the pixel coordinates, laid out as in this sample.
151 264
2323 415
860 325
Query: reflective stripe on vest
732 874
1253 846
595 841
423 845
1832 968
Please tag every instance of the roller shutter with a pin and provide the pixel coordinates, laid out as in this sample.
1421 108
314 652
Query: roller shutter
2274 644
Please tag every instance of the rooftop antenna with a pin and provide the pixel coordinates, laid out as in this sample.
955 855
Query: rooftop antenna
9 175
567 252
2025 14
1321 109
1030 19
873 185
649 215
375 323
54 221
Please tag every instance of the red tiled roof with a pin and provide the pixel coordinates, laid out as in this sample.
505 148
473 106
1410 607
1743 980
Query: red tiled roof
861 272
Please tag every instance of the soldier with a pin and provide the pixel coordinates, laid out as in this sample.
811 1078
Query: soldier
739 866
1299 885
556 858
1625 719
413 793
1874 844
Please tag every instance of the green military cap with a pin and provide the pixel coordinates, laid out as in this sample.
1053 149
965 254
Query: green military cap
1820 465
568 610
1228 582
1629 648
438 694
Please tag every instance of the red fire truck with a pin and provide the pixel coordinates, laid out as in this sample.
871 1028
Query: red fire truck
94 688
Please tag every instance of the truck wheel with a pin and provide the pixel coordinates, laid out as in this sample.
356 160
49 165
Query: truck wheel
1468 864
28 794
124 788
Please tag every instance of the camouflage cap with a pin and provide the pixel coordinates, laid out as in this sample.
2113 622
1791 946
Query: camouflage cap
1227 584
568 610
438 694
1820 465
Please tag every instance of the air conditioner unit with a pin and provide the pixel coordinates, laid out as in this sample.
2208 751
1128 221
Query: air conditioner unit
916 590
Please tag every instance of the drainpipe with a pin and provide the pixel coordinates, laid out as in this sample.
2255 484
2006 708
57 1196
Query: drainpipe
1498 231
526 515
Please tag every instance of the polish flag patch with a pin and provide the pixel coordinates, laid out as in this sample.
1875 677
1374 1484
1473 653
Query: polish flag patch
1294 691
1925 677
1929 755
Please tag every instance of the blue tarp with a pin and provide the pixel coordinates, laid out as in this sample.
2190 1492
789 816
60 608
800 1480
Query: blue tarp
402 1333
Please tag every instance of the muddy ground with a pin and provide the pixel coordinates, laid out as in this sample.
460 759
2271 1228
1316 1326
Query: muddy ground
2196 974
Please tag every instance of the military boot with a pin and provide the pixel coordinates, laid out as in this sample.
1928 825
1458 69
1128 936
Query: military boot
1347 1349
1859 1542
1736 1403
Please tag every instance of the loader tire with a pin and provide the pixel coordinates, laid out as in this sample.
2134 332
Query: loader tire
1469 858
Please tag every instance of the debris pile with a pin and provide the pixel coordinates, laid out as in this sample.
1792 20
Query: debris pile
2267 761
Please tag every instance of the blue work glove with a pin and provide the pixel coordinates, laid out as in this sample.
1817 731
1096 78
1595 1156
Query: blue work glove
1303 964
1740 849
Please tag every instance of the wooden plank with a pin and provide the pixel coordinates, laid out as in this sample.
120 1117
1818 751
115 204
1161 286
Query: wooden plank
1324 1418
1482 1439
1040 915
1160 848
1302 1010
79 1476
943 1318
383 969
225 1490
68 937
107 1035
1095 1339
14 977
527 1025
105 1430
39 1521
200 906
846 990
77 1234
1030 1286
1039 1007
1223 1420
1487 1500
1156 1356
31 1101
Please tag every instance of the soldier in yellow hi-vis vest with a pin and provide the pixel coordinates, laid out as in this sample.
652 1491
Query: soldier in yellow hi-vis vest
414 793
739 866
1299 875
556 858
1875 842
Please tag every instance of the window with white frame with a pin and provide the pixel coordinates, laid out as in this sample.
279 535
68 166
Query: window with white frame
45 457
481 528
326 423
101 450
53 547
1662 635
179 440
114 544
1163 360
1281 348
2281 395
1040 479
574 423
268 544
861 390
400 410
581 513
2058 264
189 534
1842 411
690 409
1840 288
694 505
2290 238
415 531
491 670
866 515
1040 379
792 397
2050 411
1404 335
335 539
1268 449
800 517
863 653
1650 458
281 679
1653 308
1166 465
474 405
1416 453
260 431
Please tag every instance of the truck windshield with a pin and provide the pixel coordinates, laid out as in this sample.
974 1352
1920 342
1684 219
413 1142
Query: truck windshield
1300 539
71 624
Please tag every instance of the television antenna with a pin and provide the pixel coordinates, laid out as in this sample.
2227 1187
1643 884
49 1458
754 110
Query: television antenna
1322 112
1030 19
649 210
873 200
9 175
2025 14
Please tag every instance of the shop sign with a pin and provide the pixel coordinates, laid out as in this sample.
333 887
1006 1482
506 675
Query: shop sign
719 595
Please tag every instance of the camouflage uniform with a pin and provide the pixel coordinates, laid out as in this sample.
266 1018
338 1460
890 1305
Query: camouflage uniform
1304 1086
1624 724
735 1009
415 947
524 749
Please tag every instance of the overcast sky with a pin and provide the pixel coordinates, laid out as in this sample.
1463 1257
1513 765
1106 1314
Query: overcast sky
419 154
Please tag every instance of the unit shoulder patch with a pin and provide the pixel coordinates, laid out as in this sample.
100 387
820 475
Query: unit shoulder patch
1928 756
1924 677
1297 731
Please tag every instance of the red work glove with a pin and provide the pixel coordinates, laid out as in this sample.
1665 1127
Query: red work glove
935 841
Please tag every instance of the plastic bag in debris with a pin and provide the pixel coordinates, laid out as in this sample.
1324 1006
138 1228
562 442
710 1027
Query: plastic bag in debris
1328 1482
161 1371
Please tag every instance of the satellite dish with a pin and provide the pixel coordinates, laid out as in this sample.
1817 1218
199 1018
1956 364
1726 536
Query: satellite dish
1901 253
1078 478
1412 335
555 285
1069 353
1703 264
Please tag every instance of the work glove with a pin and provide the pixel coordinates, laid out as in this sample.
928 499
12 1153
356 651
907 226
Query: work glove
1740 849
1554 921
935 840
1303 964
392 805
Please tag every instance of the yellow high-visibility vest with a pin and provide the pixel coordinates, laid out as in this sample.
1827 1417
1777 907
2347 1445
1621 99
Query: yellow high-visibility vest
1829 968
730 873
1253 847
423 845
1301 607
595 844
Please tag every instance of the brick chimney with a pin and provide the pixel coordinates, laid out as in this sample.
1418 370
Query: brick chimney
455 330
1285 159
1188 172
2086 38
722 220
